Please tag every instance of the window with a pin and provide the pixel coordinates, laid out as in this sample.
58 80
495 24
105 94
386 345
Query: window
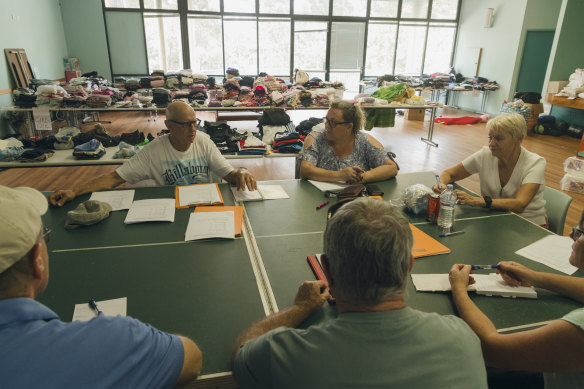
380 48
240 43
274 46
122 3
310 46
206 44
204 5
160 4
163 42
410 47
242 6
311 7
439 48
350 8
384 8
444 9
414 9
275 6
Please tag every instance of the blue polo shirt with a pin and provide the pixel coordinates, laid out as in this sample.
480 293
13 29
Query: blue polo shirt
38 350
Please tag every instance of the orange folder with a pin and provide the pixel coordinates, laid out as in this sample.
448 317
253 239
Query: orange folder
237 213
425 245
177 200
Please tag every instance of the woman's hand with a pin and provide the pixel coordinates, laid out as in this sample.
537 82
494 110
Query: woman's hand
351 174
516 274
465 198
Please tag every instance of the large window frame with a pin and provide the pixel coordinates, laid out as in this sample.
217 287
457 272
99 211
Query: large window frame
184 13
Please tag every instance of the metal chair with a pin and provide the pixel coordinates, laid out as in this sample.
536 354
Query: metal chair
556 208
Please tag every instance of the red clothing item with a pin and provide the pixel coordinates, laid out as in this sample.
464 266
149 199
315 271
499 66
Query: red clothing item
460 120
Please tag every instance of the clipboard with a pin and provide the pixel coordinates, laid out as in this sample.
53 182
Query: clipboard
425 245
237 212
177 197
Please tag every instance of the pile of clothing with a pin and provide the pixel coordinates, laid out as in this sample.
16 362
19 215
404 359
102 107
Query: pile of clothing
90 150
98 132
24 98
252 146
305 127
223 136
285 142
126 151
198 94
161 97
36 155
273 121
64 138
10 149
96 100
50 94
136 138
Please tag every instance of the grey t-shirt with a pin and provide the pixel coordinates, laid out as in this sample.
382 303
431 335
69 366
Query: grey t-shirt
402 348
364 154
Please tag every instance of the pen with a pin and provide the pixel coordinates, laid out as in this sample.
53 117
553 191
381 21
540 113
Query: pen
359 171
322 205
438 181
481 267
94 307
451 233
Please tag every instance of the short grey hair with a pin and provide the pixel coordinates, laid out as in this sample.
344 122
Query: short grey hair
368 243
512 123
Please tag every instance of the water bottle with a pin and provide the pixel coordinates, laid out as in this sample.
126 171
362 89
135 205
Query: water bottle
446 213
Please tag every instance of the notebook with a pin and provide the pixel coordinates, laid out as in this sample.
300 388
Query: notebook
237 210
425 245
198 194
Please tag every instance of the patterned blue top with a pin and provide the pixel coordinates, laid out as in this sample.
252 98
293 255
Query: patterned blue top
364 154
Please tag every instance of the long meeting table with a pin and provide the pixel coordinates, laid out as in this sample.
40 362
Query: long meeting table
212 290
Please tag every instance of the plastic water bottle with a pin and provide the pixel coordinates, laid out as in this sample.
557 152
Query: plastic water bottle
446 214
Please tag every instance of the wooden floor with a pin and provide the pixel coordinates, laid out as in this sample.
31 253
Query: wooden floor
455 143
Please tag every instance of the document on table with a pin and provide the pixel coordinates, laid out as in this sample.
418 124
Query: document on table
152 210
264 192
553 251
118 199
205 225
485 284
83 312
198 194
329 186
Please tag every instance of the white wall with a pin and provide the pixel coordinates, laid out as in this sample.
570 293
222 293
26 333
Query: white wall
500 45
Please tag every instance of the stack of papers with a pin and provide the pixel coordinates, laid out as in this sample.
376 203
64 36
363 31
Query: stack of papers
205 225
118 199
152 210
264 192
485 284
198 194
553 251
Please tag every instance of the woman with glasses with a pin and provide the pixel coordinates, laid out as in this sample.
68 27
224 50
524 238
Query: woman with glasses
556 349
343 153
511 177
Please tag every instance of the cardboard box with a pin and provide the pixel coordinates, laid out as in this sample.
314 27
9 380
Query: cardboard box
415 114
69 74
556 86
534 111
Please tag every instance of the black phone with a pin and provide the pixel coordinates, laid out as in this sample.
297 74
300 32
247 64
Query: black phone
373 190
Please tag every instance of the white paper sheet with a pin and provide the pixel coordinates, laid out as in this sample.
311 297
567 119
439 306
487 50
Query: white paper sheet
83 312
246 195
553 251
198 194
152 210
485 284
332 186
118 199
204 225
273 192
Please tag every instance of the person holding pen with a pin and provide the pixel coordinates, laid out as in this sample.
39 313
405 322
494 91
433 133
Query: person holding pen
511 177
555 349
343 153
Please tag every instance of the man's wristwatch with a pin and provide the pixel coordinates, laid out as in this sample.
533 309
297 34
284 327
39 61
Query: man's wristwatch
488 201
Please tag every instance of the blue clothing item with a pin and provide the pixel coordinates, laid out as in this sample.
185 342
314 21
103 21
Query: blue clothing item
364 154
11 153
41 351
92 145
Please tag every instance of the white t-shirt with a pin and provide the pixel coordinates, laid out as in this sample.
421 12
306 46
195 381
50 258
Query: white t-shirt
159 161
529 169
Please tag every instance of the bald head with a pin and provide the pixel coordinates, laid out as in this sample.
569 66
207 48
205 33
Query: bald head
180 112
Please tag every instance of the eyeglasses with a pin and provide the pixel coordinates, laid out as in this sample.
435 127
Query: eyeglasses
195 123
576 232
46 234
332 123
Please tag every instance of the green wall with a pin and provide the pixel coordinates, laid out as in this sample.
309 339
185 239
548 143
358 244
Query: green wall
85 33
569 53
38 29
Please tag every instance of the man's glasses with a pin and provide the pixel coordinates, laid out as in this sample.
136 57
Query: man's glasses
332 123
576 232
46 234
195 123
